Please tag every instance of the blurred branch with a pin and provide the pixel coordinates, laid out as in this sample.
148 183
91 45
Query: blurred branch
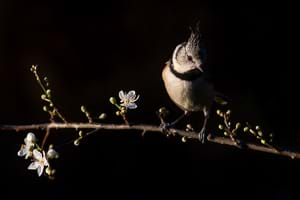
148 128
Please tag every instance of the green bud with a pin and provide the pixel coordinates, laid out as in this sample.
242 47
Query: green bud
123 108
51 146
53 171
33 68
113 100
221 127
260 133
48 171
225 133
77 142
228 112
219 112
51 105
102 116
246 129
189 126
238 125
271 140
263 141
252 131
48 93
183 139
43 97
45 108
163 110
83 109
118 113
46 81
80 133
257 128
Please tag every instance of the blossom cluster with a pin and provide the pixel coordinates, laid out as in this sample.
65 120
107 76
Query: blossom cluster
40 159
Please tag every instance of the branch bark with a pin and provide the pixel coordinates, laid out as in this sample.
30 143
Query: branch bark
148 128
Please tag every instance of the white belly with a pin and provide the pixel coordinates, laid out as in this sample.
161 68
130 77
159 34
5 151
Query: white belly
188 95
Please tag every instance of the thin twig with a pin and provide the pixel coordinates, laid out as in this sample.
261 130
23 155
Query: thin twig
147 128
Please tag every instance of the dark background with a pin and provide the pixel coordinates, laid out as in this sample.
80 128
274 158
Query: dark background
91 50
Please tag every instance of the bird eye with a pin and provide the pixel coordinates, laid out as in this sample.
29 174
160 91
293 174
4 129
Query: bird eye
190 58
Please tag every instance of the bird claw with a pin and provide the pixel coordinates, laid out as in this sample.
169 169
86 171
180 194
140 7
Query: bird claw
166 129
165 126
202 136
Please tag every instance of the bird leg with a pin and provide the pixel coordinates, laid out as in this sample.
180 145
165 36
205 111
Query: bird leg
166 126
202 134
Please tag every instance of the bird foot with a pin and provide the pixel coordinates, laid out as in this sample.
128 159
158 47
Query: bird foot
202 136
166 126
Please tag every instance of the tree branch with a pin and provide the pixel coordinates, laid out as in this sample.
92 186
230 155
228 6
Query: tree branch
148 128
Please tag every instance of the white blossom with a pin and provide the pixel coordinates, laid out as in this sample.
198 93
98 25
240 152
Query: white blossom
39 162
128 99
26 149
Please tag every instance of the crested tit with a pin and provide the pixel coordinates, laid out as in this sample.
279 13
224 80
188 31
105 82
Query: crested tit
185 80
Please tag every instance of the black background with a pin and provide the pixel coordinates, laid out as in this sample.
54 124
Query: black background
90 50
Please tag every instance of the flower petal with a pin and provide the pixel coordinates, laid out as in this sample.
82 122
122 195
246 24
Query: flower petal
33 166
131 106
131 94
135 98
40 170
37 155
122 94
28 154
22 152
30 138
45 161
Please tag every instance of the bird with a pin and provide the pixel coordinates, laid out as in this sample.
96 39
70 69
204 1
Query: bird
185 80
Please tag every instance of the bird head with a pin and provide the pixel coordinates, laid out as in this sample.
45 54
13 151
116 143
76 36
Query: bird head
189 55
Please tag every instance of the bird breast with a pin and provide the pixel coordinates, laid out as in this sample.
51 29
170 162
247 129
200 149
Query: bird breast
188 95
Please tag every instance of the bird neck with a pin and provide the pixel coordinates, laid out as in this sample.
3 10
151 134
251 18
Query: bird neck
189 75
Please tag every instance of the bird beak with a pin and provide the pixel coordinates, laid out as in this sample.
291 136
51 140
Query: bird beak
199 67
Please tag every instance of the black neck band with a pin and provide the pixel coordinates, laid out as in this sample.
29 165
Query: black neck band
187 76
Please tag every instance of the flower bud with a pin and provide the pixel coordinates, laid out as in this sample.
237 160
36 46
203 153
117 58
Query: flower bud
52 154
102 116
238 125
48 93
113 100
189 127
221 127
30 137
43 97
252 131
228 112
45 108
83 109
77 142
246 129
80 133
219 112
